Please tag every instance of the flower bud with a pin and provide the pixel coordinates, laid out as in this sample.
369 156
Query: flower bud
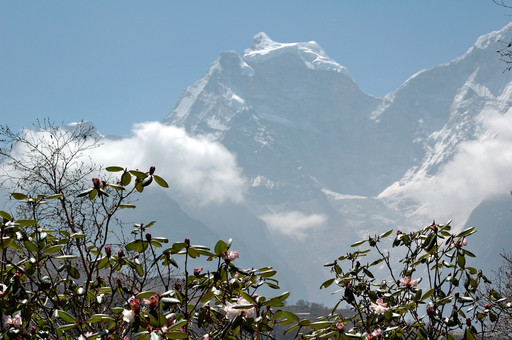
468 322
456 294
120 253
152 170
487 306
398 232
148 236
96 182
187 241
197 271
108 251
430 310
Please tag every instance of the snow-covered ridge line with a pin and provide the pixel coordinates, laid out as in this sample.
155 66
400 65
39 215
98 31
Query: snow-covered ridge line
263 48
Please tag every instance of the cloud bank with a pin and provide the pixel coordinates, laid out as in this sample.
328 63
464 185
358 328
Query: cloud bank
480 168
201 171
293 223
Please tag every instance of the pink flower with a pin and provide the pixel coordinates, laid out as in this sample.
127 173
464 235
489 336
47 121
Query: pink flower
152 301
380 307
407 282
461 243
134 303
230 255
15 321
232 312
340 326
375 334
128 315
197 271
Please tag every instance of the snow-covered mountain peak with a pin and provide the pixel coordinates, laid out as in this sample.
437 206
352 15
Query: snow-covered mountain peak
502 35
263 48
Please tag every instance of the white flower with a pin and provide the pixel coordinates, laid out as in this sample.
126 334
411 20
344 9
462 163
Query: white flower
3 289
128 315
206 337
232 312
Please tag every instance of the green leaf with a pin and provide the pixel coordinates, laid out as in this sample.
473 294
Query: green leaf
5 215
52 249
467 232
66 316
468 335
19 196
66 257
67 327
176 335
127 206
248 297
427 294
26 223
178 325
137 245
93 193
327 283
357 244
73 272
138 174
30 246
78 235
145 294
52 197
386 234
114 168
320 324
290 316
126 178
160 181
221 247
85 192
461 260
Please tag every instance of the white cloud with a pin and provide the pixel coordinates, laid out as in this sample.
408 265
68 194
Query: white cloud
479 169
199 170
293 223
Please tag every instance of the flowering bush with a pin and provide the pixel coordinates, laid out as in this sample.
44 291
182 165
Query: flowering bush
60 285
428 290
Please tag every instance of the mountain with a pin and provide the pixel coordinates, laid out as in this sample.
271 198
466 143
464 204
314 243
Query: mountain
327 163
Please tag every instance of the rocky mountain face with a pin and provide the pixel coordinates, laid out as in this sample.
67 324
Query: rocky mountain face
327 164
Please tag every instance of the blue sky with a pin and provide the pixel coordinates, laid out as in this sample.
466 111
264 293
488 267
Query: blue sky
116 63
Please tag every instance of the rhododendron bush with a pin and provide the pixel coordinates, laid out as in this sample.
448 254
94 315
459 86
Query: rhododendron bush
417 286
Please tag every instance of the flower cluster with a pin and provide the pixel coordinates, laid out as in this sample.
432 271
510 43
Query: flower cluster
14 320
379 307
406 282
230 255
232 312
